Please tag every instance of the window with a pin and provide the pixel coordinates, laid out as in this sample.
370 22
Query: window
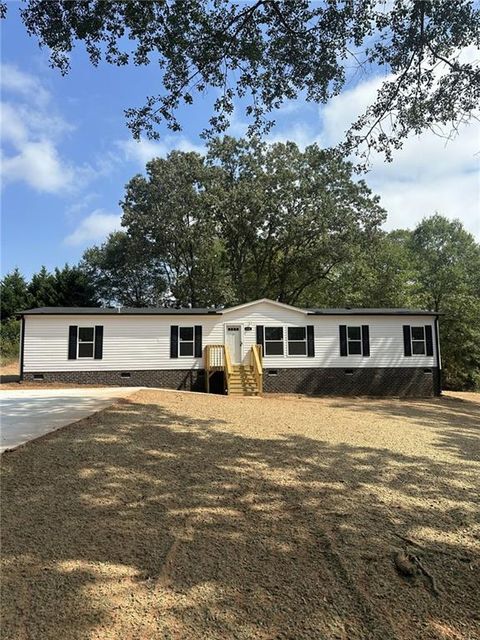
274 341
354 340
86 342
418 340
186 341
297 341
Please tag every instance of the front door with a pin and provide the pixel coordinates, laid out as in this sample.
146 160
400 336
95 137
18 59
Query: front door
234 342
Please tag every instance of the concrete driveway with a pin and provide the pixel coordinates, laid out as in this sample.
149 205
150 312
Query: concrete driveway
28 414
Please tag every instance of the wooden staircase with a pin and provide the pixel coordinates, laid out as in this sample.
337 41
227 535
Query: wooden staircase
242 381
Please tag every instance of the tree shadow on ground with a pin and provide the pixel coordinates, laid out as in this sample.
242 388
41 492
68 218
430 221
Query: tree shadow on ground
456 421
6 378
144 523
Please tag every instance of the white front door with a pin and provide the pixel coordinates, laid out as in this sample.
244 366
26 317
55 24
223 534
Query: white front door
234 342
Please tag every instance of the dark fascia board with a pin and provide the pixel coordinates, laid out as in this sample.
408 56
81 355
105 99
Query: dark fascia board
72 311
93 311
372 312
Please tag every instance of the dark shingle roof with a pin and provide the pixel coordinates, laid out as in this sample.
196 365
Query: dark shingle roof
371 312
154 311
165 311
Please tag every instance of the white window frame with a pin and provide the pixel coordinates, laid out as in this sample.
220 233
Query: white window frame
180 341
349 340
92 342
282 341
304 341
417 341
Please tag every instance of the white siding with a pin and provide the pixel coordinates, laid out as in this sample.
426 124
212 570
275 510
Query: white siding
129 342
386 338
143 342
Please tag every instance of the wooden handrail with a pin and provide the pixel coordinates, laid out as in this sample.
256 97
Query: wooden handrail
257 366
214 357
228 366
217 358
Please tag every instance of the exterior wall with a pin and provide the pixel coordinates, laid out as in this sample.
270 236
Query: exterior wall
405 381
142 343
391 381
129 342
182 379
386 338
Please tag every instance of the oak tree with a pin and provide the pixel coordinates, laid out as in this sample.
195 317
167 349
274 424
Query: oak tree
263 52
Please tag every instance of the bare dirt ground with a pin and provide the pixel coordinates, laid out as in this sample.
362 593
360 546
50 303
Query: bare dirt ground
9 372
18 386
178 516
10 369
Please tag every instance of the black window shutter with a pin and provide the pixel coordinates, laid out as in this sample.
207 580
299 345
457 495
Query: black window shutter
173 342
428 340
260 338
198 341
72 342
407 343
343 339
98 342
310 341
365 340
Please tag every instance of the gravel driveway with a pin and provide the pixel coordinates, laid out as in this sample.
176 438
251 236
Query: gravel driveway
192 517
28 414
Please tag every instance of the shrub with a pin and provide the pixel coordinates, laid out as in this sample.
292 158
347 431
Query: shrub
9 340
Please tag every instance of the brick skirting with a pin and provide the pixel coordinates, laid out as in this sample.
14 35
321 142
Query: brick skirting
391 381
398 381
186 379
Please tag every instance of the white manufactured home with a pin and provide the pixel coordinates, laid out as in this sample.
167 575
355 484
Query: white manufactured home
260 346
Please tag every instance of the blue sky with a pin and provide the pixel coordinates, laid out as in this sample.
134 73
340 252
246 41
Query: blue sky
67 153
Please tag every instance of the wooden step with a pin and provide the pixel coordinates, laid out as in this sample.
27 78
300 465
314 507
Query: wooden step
242 387
242 381
242 393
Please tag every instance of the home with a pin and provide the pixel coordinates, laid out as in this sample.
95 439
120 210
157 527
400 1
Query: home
260 346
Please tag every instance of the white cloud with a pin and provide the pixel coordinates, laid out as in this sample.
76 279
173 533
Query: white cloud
301 133
407 202
143 150
13 127
31 132
343 110
16 81
81 204
94 228
429 174
39 164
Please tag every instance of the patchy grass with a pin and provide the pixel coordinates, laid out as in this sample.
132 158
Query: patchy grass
190 516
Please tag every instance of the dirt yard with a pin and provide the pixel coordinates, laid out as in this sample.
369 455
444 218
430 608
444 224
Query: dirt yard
9 372
10 369
186 516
